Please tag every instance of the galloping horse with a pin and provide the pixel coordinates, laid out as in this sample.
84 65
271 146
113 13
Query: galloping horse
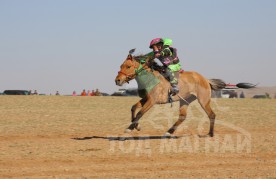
192 86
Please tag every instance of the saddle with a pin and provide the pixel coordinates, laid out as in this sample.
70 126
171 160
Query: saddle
161 70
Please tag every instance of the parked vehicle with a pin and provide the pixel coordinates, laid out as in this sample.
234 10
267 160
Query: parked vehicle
125 92
16 92
105 94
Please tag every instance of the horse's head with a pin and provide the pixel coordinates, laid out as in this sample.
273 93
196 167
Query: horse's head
127 71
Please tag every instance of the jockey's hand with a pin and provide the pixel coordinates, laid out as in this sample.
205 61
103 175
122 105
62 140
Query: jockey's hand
157 55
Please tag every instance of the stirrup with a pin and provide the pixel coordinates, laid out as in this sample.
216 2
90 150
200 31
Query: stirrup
174 90
170 100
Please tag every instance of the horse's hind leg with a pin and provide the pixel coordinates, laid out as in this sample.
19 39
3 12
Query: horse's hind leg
182 117
205 104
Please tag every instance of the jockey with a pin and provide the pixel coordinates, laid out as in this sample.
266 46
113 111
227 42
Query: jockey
167 55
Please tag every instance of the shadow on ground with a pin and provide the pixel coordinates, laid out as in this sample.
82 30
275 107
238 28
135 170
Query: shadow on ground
129 137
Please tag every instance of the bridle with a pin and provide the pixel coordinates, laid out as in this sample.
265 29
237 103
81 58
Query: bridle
137 70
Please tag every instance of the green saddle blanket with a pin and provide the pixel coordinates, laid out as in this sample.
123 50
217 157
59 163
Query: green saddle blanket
146 82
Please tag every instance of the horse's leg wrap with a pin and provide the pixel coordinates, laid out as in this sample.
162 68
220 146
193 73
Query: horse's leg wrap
134 123
212 117
178 122
133 109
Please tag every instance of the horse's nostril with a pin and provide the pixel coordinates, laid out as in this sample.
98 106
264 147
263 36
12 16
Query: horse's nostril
117 81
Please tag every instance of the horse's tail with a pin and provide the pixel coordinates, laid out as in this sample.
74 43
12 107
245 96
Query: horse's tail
217 84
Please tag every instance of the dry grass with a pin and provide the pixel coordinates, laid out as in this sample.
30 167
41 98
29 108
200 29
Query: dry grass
38 139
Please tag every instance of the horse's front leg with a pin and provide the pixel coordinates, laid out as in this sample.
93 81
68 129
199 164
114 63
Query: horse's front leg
146 104
134 110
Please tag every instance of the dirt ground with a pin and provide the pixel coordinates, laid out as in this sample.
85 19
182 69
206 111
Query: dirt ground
83 137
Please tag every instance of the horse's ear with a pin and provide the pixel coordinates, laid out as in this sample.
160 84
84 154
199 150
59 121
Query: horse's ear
129 57
132 51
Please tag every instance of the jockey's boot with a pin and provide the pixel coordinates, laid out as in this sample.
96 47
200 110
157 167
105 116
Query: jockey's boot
175 89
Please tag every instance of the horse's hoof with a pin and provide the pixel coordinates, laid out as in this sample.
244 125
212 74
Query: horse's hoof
127 130
138 127
167 134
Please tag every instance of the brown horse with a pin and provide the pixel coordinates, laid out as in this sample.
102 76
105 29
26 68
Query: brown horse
191 84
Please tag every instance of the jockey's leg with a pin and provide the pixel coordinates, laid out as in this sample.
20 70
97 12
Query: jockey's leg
173 81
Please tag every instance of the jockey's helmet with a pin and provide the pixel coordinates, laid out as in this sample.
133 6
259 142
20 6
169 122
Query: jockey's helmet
155 41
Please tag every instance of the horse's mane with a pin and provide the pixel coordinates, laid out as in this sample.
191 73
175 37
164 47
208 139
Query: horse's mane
146 59
141 57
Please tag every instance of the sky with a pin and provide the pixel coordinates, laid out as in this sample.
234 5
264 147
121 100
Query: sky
67 45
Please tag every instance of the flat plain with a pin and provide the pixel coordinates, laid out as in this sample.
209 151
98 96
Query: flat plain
83 137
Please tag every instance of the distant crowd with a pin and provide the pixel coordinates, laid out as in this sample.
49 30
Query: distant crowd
88 93
83 93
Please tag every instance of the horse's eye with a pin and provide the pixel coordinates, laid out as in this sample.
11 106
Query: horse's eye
128 67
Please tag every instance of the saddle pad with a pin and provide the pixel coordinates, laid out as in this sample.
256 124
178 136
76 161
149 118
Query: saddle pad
146 82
